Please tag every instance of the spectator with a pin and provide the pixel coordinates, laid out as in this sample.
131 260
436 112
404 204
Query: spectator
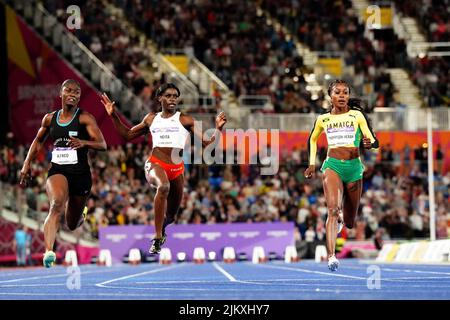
20 244
378 239
119 197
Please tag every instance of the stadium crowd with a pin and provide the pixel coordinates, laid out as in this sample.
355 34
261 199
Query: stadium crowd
431 73
112 43
394 197
339 31
333 27
236 42
230 38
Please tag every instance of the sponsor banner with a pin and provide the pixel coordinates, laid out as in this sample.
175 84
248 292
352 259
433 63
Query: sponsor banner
437 251
85 253
243 237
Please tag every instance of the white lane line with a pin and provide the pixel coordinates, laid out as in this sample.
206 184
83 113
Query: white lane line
179 282
30 285
103 284
405 280
269 283
208 289
218 281
54 276
418 278
34 278
382 267
414 271
299 282
309 271
233 279
226 274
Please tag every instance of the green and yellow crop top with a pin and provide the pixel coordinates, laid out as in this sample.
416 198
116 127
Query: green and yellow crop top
342 130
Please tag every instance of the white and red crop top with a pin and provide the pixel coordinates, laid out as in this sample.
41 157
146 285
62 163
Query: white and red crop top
168 132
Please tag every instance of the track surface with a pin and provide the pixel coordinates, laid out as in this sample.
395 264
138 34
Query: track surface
276 280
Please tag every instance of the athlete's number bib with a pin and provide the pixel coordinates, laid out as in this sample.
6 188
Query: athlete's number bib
341 138
64 156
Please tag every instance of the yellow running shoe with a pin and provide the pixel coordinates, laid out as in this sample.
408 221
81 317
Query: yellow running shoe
340 223
85 211
49 259
83 217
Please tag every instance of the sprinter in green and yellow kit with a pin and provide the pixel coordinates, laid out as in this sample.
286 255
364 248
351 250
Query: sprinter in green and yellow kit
346 127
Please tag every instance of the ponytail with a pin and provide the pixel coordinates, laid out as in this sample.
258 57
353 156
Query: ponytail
355 104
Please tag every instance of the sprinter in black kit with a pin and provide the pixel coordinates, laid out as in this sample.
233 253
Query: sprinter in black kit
73 131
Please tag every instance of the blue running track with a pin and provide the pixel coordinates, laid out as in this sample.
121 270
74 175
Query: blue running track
305 280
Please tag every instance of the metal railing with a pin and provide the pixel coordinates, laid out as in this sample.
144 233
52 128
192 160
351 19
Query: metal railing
401 119
257 102
190 94
208 120
417 49
199 75
207 81
285 122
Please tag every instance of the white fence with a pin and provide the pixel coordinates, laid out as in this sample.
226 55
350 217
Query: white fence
382 120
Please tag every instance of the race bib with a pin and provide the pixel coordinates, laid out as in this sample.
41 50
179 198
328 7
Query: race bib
340 138
64 156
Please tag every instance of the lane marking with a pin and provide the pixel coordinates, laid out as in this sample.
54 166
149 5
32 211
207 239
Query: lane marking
383 267
103 284
309 271
225 273
30 285
58 275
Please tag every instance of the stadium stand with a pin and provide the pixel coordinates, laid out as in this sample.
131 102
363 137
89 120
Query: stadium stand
236 42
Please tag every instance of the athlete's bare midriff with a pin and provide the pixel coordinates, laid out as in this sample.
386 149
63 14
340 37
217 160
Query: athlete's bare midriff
168 155
343 153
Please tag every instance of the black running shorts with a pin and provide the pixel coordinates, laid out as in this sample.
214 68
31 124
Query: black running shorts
79 184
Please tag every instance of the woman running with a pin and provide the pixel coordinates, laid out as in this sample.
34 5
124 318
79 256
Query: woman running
345 126
164 168
69 181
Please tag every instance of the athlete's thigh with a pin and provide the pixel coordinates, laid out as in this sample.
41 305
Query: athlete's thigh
333 188
156 176
352 198
57 188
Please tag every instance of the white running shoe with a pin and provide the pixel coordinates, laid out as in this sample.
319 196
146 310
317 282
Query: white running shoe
333 263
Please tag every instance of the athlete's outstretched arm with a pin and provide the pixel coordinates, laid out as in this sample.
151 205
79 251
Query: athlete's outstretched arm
188 122
312 146
97 141
36 145
370 141
125 132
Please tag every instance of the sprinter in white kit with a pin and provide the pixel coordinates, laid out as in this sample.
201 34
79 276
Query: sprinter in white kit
164 167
